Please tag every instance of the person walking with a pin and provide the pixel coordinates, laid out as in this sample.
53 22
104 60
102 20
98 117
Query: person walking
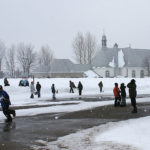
123 95
5 102
71 86
32 89
101 86
80 88
53 91
116 92
38 88
132 94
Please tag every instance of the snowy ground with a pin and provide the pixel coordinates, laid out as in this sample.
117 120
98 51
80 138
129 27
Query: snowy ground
120 135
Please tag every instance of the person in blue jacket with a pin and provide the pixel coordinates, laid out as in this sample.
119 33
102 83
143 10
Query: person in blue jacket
5 102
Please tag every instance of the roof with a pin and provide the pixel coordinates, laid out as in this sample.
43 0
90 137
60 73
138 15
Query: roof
62 66
132 57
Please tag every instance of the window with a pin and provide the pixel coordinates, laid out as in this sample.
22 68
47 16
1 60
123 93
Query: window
142 74
133 74
107 74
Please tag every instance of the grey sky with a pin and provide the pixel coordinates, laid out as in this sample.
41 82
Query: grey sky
56 22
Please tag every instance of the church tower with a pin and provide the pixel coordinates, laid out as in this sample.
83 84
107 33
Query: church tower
104 41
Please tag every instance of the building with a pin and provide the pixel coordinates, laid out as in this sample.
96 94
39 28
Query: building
108 63
126 62
61 68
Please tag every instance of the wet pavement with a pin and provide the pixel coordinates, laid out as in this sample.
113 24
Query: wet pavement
24 131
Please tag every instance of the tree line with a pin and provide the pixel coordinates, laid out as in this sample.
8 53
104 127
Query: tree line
20 59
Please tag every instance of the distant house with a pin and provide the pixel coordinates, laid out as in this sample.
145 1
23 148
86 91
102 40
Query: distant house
126 62
61 68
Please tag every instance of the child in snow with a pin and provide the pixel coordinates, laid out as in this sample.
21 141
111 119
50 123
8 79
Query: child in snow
5 102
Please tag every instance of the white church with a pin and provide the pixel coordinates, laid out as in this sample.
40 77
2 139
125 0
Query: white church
125 62
108 63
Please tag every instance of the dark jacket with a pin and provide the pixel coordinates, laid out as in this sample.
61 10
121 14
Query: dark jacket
4 99
123 90
80 86
38 87
100 84
132 90
53 89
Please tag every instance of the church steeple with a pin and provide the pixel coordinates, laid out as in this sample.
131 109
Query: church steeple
104 41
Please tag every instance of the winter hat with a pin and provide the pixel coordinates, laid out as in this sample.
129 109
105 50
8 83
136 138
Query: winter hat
132 81
116 84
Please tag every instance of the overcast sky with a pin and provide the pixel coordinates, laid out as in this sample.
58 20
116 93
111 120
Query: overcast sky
56 22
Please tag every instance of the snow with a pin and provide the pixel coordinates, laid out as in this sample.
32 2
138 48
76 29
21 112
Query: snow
112 63
121 61
134 129
129 134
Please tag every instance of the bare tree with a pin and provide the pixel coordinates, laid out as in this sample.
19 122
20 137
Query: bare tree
46 56
79 48
84 48
90 43
2 52
26 57
10 61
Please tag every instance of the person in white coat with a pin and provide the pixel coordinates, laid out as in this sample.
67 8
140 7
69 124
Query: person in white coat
32 89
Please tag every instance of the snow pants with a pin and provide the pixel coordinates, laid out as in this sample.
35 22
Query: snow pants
38 93
117 101
54 96
133 102
7 112
71 90
80 92
101 89
123 101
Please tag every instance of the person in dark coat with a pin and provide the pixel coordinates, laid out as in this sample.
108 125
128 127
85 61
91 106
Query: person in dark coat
6 83
117 96
53 91
80 88
71 86
5 102
38 89
123 94
132 94
100 86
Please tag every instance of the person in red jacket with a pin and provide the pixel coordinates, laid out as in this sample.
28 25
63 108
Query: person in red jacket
117 96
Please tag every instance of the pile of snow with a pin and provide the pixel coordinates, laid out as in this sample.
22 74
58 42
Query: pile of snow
133 134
